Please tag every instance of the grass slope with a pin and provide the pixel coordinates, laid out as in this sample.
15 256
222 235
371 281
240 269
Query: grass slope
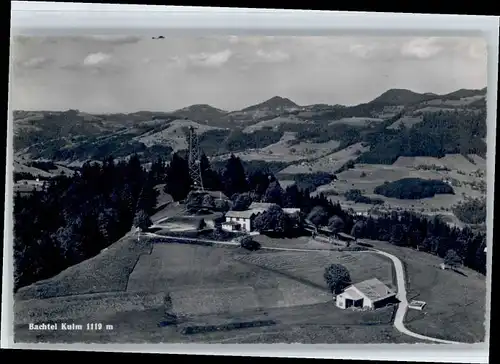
455 302
107 272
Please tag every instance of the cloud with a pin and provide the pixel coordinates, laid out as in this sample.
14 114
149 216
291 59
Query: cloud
478 51
36 62
421 48
273 56
95 59
362 50
116 39
215 60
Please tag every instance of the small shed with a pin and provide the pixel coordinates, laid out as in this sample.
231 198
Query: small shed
417 305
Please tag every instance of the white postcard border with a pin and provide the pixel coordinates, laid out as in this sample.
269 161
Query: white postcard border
45 18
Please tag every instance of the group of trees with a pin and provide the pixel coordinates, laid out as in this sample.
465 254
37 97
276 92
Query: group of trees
356 196
224 141
471 210
406 229
413 188
74 218
440 133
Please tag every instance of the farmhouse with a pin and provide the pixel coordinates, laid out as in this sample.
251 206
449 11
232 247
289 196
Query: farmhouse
367 294
242 218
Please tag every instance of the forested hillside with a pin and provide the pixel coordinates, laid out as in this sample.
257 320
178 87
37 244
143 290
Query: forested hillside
74 218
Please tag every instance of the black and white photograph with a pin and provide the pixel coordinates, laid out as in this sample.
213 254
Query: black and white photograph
249 189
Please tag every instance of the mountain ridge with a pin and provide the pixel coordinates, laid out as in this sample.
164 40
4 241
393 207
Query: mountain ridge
391 97
76 136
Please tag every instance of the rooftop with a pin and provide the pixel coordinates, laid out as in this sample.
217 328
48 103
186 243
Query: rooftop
241 214
217 194
260 206
344 235
373 289
351 294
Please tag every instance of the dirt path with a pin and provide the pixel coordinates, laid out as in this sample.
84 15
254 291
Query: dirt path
401 295
403 302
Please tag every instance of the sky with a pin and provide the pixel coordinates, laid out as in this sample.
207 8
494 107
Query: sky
126 74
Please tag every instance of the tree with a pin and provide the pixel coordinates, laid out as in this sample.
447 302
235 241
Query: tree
337 277
258 182
452 259
318 216
292 196
274 219
194 201
142 220
221 205
397 234
211 179
471 211
148 197
233 176
157 173
107 222
274 194
358 229
208 202
248 243
241 202
336 224
178 182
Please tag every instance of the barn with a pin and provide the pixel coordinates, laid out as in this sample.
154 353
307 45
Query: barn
369 294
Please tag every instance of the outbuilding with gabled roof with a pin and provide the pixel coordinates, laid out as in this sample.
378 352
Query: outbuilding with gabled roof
371 294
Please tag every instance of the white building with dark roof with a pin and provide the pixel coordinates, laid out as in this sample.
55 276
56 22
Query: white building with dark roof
243 218
370 294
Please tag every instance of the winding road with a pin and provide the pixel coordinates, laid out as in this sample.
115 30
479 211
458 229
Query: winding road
401 295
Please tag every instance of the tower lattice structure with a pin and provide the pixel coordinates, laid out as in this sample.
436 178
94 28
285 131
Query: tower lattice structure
194 160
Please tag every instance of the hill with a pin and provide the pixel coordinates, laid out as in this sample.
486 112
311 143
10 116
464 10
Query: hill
275 103
402 97
201 113
463 93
